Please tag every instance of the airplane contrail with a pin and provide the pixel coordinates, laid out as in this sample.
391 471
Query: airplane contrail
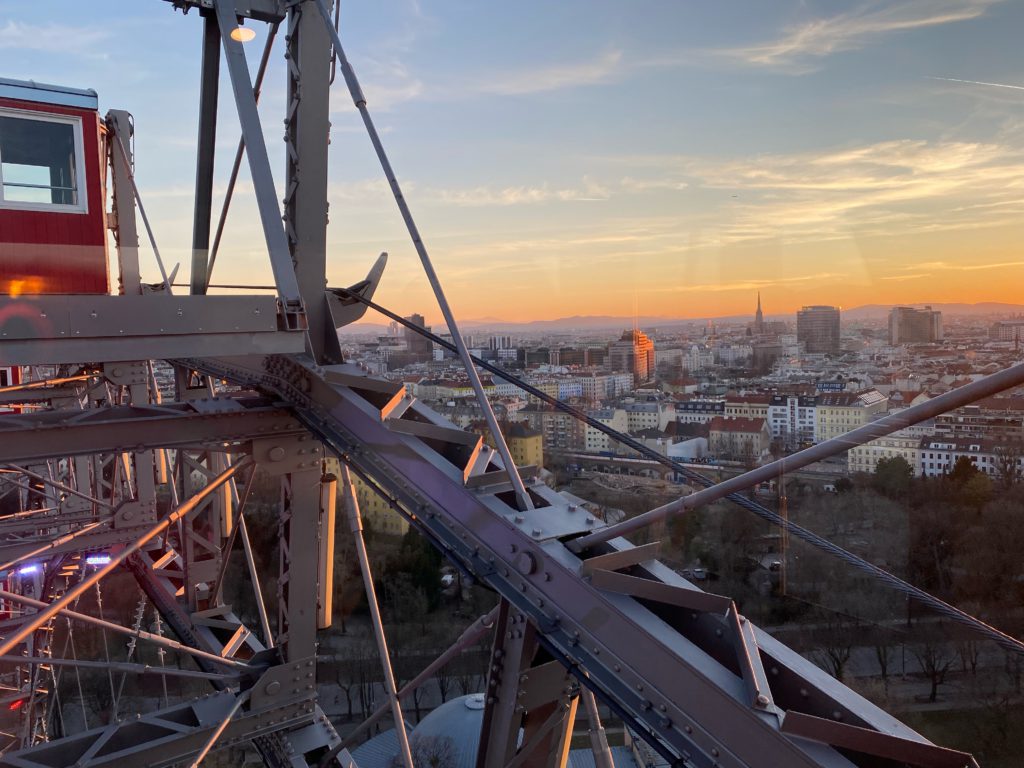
979 82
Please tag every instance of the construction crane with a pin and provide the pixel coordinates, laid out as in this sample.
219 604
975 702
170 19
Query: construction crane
91 448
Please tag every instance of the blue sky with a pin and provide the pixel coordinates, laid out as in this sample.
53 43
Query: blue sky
574 157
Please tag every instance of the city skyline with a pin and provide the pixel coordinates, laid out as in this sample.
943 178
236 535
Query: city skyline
594 158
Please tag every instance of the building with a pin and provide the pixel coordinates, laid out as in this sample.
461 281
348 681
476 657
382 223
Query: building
739 439
698 357
595 441
648 415
561 431
569 356
1007 330
699 411
758 317
792 419
525 444
633 352
733 355
839 412
379 515
939 455
449 737
747 406
995 418
817 328
865 458
604 386
908 325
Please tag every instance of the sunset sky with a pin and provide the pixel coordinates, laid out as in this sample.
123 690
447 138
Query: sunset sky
591 156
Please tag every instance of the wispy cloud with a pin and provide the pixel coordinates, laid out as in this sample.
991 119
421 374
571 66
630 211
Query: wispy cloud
553 77
935 266
588 189
801 46
900 278
61 39
893 187
388 82
928 269
750 284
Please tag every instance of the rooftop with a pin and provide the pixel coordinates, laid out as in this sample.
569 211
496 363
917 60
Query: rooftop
44 93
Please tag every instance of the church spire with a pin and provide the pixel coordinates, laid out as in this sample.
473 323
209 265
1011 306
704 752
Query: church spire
759 316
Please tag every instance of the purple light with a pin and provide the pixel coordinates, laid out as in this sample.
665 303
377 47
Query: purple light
97 559
28 569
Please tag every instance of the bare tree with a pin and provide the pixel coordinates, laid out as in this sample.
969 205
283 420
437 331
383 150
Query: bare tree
969 651
1008 466
445 680
430 752
936 659
834 644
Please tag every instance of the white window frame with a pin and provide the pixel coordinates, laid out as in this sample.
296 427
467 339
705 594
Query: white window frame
80 188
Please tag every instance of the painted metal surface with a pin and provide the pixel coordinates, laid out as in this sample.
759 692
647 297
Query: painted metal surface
55 251
44 93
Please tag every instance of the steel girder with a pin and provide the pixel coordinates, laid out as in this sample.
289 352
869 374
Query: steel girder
682 666
213 422
169 736
41 330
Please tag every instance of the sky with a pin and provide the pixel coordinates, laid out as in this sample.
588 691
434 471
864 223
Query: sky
598 157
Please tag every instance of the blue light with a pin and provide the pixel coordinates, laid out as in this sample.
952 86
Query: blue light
25 570
100 559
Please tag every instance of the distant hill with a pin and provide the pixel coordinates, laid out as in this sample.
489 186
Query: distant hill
574 323
614 323
874 311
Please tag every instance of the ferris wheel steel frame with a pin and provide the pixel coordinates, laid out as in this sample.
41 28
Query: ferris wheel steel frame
583 613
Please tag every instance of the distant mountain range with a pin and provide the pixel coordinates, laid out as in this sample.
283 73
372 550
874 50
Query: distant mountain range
605 322
981 308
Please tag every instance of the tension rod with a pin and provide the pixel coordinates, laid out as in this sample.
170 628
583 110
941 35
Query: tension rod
522 496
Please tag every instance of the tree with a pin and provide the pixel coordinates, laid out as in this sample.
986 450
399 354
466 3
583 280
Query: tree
834 641
963 471
1008 465
977 491
430 752
936 660
421 563
893 477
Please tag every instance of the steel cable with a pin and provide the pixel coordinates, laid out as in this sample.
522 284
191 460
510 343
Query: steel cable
1005 641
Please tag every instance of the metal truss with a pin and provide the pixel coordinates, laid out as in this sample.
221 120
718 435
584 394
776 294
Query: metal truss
646 640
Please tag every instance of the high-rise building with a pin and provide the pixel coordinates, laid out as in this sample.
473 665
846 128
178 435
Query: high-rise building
817 328
908 325
420 347
634 352
1007 330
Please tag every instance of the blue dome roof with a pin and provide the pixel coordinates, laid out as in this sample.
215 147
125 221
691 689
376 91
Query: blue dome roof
452 731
